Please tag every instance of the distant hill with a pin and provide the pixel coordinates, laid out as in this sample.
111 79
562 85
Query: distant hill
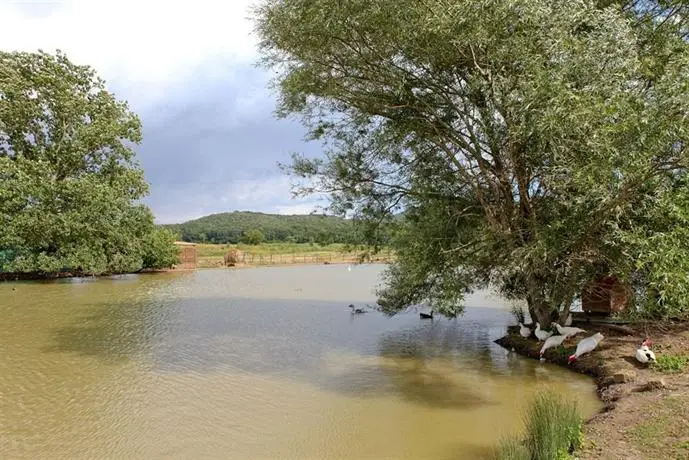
231 227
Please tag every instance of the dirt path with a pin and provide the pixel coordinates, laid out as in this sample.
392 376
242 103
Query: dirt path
646 413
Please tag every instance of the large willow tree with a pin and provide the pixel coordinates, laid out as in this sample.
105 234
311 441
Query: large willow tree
532 145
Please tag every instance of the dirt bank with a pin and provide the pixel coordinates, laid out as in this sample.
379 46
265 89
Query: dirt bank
646 412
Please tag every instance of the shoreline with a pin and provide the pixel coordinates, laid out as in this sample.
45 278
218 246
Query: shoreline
35 276
634 395
530 348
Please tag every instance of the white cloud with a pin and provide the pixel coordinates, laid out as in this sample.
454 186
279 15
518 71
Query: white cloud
302 208
147 46
174 60
271 195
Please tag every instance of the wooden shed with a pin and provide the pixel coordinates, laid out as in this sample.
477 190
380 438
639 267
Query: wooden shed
187 255
605 296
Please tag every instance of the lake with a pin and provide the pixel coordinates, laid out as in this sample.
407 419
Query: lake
264 363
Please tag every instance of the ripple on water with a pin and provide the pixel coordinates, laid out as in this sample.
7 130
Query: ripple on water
265 363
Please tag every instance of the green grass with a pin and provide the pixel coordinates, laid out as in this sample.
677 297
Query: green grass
683 445
211 255
552 428
663 431
512 448
671 364
219 250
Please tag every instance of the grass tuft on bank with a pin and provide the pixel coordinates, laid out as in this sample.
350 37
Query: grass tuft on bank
671 363
552 430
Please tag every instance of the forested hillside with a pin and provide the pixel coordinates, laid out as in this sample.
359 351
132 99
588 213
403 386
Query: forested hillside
245 226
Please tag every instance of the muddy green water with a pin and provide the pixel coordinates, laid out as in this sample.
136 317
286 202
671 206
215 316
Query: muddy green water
254 364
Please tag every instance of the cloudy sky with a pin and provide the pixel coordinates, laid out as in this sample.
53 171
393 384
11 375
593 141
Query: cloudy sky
211 142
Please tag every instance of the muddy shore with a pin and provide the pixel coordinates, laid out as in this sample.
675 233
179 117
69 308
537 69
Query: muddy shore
646 412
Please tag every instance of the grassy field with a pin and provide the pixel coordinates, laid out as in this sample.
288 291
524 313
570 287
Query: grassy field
211 255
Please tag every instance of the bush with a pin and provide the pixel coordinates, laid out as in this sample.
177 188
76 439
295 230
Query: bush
159 250
552 431
253 237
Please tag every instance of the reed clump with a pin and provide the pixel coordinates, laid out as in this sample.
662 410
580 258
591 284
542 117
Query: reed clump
552 431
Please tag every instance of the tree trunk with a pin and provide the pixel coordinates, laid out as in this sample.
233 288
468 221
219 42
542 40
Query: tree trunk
532 310
563 315
540 310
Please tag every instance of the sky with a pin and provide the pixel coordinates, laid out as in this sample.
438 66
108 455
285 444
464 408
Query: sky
211 140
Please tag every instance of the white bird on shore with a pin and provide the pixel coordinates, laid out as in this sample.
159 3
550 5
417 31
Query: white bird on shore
524 331
541 335
644 354
568 321
586 345
552 341
568 331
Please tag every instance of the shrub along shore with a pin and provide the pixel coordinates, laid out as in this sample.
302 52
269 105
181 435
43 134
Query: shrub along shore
646 407
264 254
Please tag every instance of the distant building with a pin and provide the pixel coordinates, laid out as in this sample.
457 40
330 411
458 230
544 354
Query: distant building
187 255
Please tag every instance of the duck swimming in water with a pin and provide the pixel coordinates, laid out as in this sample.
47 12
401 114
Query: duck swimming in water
356 310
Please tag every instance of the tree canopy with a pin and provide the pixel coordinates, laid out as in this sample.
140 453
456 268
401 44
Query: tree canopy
69 180
533 145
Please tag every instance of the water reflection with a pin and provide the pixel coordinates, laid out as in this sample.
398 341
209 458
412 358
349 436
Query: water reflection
253 364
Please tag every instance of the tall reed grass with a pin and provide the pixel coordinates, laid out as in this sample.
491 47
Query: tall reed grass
552 431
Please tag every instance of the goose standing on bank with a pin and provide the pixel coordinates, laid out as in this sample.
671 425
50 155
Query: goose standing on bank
552 341
568 331
586 345
644 354
541 335
524 331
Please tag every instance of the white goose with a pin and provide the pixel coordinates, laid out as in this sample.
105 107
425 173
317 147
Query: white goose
644 354
568 331
586 345
524 331
552 341
541 335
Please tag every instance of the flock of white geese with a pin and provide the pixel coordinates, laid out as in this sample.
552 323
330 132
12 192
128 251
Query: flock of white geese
586 345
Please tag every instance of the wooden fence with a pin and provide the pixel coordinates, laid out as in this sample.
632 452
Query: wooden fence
248 258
